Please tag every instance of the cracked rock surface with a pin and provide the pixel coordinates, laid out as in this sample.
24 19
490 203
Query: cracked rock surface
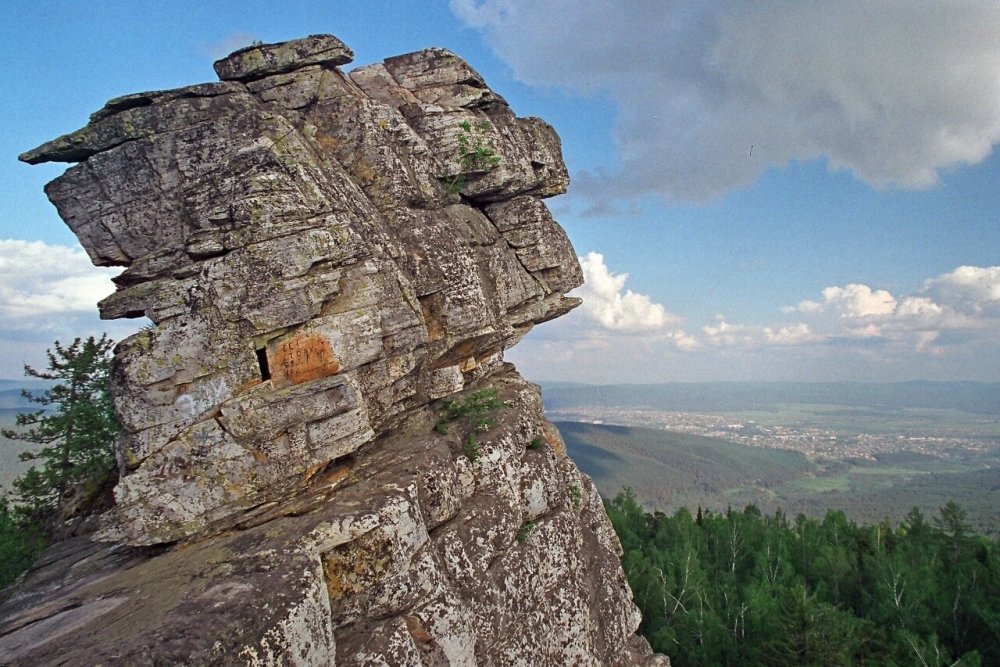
328 259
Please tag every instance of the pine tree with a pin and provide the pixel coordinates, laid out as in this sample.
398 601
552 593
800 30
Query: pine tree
75 430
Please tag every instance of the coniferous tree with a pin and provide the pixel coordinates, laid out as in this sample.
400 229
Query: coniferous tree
740 588
19 544
74 432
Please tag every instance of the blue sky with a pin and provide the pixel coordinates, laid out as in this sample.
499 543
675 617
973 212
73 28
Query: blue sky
859 239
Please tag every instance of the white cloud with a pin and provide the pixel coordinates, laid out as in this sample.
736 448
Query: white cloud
947 329
919 311
723 333
48 293
607 304
964 303
851 301
892 91
38 280
968 289
791 334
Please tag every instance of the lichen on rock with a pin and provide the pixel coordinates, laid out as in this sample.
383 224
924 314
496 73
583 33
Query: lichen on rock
324 259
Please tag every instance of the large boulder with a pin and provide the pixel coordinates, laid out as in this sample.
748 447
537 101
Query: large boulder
319 254
324 457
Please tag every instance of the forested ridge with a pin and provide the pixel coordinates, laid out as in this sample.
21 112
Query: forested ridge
744 588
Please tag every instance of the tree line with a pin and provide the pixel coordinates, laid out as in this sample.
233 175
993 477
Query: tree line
744 588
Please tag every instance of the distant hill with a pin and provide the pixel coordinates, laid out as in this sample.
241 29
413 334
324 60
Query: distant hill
973 397
12 397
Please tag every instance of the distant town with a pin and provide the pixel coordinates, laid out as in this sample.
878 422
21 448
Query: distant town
819 443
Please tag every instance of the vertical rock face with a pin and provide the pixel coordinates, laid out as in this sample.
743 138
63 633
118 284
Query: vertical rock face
325 257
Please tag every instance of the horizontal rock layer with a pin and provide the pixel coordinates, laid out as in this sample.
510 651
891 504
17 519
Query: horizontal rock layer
319 253
407 553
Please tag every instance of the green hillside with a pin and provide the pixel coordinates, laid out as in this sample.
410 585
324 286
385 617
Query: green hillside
668 470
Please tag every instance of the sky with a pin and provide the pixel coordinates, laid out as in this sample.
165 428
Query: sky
775 190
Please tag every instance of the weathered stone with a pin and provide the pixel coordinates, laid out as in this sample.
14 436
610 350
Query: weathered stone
389 556
322 263
254 62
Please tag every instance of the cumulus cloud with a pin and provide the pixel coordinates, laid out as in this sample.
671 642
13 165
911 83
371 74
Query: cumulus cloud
893 91
607 302
959 308
615 333
964 303
969 289
38 280
852 300
791 334
47 293
723 333
854 331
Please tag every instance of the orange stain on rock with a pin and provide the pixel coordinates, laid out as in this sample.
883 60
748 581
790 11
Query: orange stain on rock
302 358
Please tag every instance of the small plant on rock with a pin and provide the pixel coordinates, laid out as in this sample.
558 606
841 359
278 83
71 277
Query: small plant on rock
575 495
471 448
474 154
525 531
477 408
536 443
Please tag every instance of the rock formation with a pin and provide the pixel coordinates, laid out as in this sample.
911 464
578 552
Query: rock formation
324 457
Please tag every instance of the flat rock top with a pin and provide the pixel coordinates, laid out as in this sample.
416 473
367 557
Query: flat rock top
262 60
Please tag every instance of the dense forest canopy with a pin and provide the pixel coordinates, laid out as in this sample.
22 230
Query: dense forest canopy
744 588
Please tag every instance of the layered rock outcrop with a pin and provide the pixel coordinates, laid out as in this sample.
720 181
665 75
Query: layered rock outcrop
325 459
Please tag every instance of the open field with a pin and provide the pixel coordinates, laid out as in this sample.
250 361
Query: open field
879 421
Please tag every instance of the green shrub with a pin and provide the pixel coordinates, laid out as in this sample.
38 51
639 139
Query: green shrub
20 543
477 408
471 448
525 531
474 154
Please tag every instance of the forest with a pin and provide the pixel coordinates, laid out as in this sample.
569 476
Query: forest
744 588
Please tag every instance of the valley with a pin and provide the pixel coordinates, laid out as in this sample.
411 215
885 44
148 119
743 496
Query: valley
874 461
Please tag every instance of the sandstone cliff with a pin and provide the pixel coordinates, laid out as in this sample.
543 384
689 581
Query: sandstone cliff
325 459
